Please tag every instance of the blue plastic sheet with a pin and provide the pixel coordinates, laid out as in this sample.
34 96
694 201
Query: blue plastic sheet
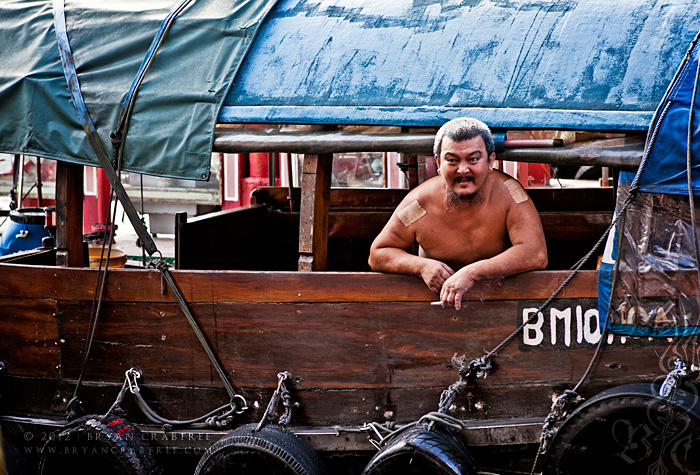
648 279
570 64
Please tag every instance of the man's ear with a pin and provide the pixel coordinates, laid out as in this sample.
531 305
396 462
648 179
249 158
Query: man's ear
492 158
437 160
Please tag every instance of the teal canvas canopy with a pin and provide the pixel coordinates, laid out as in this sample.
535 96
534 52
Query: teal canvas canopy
569 64
171 128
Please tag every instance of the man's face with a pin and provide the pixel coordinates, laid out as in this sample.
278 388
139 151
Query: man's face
464 166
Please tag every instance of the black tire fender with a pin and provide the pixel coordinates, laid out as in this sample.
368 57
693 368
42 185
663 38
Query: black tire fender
630 429
423 450
271 450
12 458
94 444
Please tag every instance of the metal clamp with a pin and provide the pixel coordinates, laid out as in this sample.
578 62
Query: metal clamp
675 377
243 407
133 384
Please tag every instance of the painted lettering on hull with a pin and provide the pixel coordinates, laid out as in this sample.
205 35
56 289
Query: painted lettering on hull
566 323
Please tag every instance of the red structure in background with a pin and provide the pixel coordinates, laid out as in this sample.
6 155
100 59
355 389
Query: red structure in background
244 172
96 201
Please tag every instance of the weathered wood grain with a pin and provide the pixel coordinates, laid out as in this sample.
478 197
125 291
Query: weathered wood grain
29 339
313 219
328 346
340 198
133 285
69 214
359 345
341 407
545 199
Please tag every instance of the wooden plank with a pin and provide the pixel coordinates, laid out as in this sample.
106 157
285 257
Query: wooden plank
313 220
558 225
315 407
350 224
573 199
345 346
545 199
134 285
348 198
410 168
342 224
238 239
69 214
358 361
575 225
182 239
29 336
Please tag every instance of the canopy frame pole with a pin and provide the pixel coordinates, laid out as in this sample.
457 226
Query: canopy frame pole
595 153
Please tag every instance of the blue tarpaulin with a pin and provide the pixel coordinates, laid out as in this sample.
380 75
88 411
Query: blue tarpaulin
666 168
569 64
651 252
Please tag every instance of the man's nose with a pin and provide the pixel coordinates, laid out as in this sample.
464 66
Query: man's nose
463 168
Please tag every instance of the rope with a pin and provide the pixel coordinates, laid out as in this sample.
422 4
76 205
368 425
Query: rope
563 402
116 405
561 405
481 367
74 407
280 394
119 134
143 251
111 167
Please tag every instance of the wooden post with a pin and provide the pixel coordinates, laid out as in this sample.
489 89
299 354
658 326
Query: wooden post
410 168
313 215
69 215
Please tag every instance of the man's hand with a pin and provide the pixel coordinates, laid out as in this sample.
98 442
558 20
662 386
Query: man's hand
455 287
435 274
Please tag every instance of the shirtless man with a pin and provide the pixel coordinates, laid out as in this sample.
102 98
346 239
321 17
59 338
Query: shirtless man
471 222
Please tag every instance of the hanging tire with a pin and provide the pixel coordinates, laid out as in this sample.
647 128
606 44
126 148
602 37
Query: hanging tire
424 451
97 445
272 450
630 430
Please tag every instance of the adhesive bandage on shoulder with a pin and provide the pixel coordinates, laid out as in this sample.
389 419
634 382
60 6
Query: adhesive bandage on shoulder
516 191
411 213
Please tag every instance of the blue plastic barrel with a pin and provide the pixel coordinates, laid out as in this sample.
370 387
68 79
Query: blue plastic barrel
24 231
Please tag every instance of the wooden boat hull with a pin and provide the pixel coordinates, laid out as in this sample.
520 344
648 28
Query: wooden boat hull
360 346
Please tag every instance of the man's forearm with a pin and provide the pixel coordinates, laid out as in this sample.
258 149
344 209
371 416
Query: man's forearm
514 260
395 261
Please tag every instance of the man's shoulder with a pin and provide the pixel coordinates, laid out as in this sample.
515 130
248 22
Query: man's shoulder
426 192
505 186
501 177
